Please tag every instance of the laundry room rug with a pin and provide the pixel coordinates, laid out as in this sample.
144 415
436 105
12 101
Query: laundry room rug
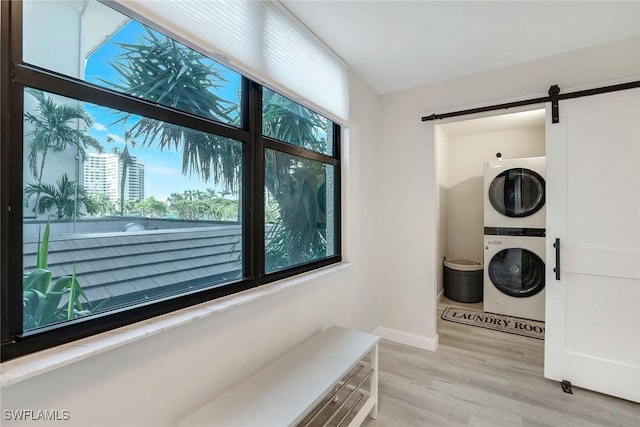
497 322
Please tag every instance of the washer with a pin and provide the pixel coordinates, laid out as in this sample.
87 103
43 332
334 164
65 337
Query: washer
515 193
514 276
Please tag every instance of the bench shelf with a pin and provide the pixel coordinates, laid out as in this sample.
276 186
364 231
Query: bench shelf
287 390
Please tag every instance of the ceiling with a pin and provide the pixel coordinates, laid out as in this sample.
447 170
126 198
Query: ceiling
396 45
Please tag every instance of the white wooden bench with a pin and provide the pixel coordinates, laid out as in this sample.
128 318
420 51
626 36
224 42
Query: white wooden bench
287 390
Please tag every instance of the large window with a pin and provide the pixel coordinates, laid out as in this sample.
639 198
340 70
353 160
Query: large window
301 182
142 177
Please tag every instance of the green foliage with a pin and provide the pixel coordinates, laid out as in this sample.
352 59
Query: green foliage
161 70
299 234
64 197
203 205
42 296
151 208
100 205
192 205
289 121
54 128
298 186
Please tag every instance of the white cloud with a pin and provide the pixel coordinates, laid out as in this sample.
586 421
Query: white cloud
99 127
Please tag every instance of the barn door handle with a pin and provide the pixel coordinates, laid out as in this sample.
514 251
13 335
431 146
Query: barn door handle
557 268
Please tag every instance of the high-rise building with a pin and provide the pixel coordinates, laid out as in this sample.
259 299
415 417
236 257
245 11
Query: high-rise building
103 175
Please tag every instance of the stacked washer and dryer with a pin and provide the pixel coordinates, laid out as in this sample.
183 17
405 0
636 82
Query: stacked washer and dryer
514 237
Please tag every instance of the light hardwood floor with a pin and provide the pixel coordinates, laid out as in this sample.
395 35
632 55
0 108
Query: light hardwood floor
480 377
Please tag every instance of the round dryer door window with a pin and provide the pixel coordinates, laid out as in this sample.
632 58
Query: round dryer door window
517 272
517 192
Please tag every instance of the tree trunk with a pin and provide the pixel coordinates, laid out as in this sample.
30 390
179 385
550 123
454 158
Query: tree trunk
122 184
36 207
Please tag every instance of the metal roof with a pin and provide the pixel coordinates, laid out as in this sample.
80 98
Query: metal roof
131 266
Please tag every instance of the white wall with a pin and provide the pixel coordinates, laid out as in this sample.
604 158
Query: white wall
443 192
42 36
159 380
465 177
408 178
408 238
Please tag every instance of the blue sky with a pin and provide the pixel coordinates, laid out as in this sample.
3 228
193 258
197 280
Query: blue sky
163 169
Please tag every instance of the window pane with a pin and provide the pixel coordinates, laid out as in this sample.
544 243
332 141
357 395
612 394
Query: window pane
104 47
290 122
299 210
136 210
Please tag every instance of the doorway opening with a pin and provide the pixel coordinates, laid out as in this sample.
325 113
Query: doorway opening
463 147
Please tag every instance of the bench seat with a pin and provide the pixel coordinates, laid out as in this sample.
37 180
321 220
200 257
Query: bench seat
287 390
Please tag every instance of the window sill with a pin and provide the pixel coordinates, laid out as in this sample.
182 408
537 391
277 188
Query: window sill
22 368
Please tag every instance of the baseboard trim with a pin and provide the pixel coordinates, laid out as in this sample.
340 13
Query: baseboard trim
413 340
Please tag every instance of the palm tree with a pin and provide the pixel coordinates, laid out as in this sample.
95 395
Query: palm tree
288 121
127 160
55 128
299 187
162 70
67 198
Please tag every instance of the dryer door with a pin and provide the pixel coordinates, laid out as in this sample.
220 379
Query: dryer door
517 192
517 272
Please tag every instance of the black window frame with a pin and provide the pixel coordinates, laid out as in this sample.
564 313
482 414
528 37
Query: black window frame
15 75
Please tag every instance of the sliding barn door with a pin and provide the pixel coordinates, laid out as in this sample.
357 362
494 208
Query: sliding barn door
593 208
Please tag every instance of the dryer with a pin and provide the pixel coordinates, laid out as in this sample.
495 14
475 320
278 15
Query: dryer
514 192
514 275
